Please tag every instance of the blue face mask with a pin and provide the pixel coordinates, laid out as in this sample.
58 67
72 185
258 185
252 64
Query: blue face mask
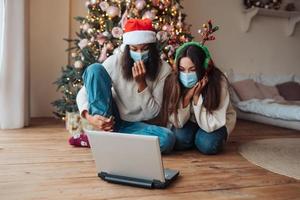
136 56
188 80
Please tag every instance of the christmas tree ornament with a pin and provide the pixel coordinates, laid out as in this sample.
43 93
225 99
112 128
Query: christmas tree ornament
162 36
101 39
90 31
117 32
149 14
104 5
85 27
110 46
140 4
83 43
167 28
112 11
87 4
179 24
92 39
93 1
106 34
180 16
167 3
78 64
73 54
155 3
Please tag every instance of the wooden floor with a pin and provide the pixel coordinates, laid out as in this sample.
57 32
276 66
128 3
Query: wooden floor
37 163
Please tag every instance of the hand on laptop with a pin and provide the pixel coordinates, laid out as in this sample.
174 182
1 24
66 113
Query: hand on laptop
100 122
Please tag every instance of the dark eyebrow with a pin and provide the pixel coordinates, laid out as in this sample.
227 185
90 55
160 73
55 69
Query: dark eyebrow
189 67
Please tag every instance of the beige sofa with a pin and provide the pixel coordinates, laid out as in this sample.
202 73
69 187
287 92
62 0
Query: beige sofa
270 80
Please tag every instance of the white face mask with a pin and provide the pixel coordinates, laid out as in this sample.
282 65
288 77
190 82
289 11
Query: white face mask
136 56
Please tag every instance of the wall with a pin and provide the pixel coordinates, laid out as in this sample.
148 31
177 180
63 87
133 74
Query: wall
77 9
49 24
265 48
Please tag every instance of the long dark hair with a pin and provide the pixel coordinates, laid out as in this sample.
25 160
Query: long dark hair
152 65
173 89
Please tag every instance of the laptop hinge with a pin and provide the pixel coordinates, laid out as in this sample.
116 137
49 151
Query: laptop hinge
131 181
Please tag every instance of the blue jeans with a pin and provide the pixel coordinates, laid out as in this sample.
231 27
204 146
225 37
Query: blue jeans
191 135
98 85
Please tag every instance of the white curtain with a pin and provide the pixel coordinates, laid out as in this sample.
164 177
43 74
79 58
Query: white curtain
14 68
2 21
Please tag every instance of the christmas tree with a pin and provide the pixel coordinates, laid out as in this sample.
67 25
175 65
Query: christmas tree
101 34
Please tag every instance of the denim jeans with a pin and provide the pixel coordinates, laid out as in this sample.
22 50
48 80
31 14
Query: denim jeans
191 136
98 86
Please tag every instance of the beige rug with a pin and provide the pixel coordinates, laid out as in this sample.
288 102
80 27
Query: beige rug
281 155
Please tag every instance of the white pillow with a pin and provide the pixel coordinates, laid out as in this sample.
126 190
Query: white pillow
236 76
297 78
273 80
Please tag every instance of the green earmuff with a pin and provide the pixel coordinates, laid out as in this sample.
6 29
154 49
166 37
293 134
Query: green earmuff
180 50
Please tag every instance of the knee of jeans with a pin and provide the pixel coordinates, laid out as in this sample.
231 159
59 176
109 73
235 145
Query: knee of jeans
94 69
167 141
207 144
184 140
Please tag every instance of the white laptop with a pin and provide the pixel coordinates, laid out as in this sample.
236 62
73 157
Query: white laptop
129 159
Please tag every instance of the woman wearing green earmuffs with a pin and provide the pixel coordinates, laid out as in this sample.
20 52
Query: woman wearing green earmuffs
196 104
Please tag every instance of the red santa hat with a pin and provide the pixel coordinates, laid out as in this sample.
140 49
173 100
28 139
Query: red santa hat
139 31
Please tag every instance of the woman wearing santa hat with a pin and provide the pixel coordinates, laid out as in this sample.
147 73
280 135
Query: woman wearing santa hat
127 88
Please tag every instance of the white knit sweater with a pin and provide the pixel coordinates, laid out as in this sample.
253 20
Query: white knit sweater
225 115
